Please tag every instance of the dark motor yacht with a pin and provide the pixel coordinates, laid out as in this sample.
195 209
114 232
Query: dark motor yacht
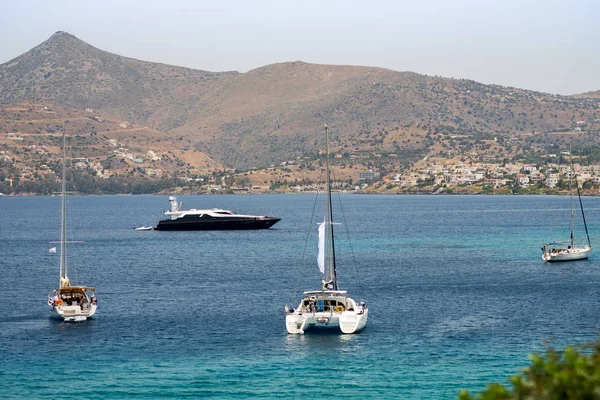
210 219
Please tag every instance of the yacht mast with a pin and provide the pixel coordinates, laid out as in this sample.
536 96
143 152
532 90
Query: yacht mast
331 275
63 220
571 194
580 206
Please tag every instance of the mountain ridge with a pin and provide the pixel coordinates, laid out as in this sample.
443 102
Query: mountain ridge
275 112
70 72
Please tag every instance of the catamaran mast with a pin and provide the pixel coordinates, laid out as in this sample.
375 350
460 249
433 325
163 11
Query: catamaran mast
63 221
331 275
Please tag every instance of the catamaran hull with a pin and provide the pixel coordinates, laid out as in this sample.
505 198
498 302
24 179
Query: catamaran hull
72 313
570 255
351 322
211 224
346 321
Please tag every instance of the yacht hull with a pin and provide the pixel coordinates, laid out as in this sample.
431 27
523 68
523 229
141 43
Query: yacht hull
567 255
73 313
196 223
347 321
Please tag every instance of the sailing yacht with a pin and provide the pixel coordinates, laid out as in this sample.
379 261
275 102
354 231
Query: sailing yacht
328 307
556 251
71 303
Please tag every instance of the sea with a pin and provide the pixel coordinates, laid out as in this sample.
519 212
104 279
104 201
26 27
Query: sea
459 297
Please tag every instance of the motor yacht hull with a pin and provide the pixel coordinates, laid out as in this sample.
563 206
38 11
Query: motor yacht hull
206 223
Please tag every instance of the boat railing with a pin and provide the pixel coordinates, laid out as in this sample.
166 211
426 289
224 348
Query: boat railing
331 292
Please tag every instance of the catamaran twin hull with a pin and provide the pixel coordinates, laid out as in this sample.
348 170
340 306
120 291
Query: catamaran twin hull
206 222
567 254
345 321
327 309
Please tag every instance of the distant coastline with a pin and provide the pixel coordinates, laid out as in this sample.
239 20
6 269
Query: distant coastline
587 193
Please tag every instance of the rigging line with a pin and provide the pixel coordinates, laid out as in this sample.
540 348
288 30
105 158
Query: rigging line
73 260
360 286
571 173
312 215
331 255
579 197
78 225
583 215
69 214
580 203
70 200
63 221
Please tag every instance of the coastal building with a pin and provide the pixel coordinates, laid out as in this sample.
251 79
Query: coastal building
536 177
552 179
528 169
522 180
513 169
368 176
496 183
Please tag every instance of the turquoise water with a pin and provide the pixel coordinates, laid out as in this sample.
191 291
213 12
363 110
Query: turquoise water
457 290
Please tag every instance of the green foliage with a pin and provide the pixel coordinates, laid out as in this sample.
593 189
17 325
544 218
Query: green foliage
427 182
487 190
589 185
562 184
573 373
83 183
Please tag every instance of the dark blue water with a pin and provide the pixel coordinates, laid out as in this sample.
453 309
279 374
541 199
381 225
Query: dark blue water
457 290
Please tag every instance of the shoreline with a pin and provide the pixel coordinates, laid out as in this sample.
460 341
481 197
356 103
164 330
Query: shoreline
183 193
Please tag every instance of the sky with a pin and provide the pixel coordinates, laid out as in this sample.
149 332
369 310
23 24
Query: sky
548 46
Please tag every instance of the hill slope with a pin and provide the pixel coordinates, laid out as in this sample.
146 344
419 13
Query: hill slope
276 112
101 144
69 72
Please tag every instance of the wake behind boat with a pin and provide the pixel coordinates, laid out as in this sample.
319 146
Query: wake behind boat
210 219
329 307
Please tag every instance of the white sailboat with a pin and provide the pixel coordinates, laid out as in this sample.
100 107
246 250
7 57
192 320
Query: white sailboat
71 303
328 307
569 250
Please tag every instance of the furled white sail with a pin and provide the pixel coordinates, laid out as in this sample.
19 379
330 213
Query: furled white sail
321 255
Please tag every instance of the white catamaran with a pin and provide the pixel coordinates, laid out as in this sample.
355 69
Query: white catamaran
71 303
328 307
568 250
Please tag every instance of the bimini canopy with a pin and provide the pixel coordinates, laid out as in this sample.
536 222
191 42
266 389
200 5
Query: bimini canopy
75 289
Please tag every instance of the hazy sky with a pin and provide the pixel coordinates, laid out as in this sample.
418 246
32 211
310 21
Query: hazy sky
550 46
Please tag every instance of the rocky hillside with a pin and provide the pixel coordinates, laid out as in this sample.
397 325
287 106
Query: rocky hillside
69 72
276 113
98 144
595 94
